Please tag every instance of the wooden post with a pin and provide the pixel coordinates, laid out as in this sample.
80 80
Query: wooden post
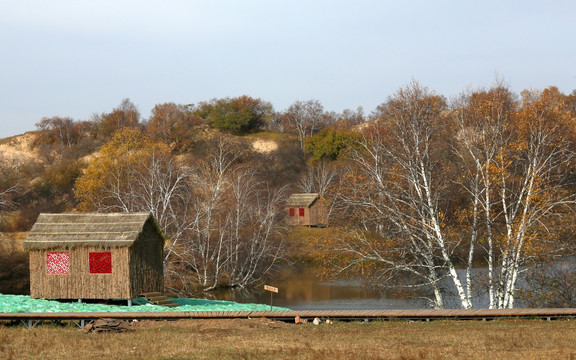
272 290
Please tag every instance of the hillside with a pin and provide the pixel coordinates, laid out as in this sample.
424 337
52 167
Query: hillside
46 171
19 150
40 173
22 150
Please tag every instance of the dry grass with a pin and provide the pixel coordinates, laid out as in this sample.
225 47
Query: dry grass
265 339
306 243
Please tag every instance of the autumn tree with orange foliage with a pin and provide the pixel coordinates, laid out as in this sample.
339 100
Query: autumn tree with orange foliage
125 115
530 174
486 181
173 124
519 157
106 178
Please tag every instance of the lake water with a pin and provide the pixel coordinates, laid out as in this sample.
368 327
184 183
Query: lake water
302 289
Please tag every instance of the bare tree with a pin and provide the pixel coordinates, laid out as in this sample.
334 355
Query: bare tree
347 119
304 117
6 204
222 224
255 245
60 130
323 178
234 235
318 178
206 245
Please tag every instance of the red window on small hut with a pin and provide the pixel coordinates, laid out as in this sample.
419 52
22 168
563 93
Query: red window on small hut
57 263
301 212
292 212
100 262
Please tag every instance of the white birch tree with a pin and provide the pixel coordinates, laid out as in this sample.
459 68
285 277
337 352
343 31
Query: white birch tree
323 178
304 117
255 245
403 191
511 166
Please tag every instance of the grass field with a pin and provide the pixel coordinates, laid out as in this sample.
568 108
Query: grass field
266 339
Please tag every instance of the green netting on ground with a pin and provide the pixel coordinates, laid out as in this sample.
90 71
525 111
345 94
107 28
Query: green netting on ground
25 304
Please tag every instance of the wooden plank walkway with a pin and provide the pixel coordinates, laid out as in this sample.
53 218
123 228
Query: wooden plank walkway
479 314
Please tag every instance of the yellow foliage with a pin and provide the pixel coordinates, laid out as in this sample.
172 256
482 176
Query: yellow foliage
127 149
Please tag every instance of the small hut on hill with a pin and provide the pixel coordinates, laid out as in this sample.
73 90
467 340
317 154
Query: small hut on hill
95 256
309 209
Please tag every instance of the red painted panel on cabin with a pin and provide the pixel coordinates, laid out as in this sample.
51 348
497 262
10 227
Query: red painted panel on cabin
100 262
301 212
57 263
292 212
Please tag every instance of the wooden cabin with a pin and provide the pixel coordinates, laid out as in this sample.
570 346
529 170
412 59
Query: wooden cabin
95 256
308 209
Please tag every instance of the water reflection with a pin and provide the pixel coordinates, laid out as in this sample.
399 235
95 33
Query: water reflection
301 289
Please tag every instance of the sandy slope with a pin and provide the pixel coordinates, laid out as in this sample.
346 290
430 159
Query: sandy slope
19 150
265 146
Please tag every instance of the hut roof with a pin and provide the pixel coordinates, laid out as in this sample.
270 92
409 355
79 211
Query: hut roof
113 230
302 200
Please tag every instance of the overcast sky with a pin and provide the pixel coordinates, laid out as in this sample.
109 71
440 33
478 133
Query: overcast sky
76 58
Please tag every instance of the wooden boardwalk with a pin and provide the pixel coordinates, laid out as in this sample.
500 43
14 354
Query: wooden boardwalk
425 315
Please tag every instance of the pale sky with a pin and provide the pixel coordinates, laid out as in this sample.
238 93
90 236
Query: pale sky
80 57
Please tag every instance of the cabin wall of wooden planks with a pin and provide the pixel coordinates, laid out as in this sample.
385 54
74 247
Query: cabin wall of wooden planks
319 213
146 259
314 215
79 283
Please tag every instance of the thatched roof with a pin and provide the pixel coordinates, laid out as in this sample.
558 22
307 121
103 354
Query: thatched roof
65 231
302 200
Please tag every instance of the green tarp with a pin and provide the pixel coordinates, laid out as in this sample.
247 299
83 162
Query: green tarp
25 304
